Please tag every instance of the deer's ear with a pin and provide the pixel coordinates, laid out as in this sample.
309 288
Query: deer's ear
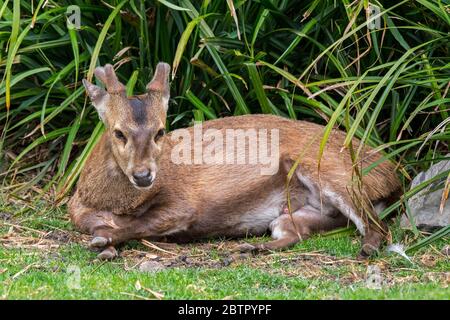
98 98
160 82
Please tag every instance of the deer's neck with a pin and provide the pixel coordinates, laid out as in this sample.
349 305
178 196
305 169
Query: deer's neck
104 186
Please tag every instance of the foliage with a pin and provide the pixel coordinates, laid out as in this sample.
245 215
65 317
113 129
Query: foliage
325 61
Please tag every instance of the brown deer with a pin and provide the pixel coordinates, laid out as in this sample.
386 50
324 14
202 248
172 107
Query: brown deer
133 186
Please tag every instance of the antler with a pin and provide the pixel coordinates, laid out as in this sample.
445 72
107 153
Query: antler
160 81
108 76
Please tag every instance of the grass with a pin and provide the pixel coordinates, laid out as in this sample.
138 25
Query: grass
39 249
315 60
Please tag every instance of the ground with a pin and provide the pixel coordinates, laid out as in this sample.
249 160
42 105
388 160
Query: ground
43 257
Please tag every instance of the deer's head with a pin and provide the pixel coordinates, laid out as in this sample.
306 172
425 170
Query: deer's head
135 125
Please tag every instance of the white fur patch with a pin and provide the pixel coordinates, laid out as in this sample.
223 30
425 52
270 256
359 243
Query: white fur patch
313 198
330 197
257 220
276 227
379 207
345 209
101 106
165 103
306 211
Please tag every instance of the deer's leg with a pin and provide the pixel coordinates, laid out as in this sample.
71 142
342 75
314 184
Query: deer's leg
90 221
374 230
289 229
108 253
347 201
107 229
374 236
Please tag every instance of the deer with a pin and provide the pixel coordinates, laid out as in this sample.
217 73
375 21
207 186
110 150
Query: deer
132 188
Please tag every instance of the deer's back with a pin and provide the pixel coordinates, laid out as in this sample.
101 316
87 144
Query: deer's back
297 140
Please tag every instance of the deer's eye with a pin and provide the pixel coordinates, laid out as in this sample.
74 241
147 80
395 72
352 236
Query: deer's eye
160 133
119 135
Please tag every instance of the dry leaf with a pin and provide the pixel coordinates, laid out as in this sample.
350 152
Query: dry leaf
428 260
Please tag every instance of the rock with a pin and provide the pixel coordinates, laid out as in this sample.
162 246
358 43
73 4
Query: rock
151 266
446 250
5 216
234 257
58 235
108 253
424 206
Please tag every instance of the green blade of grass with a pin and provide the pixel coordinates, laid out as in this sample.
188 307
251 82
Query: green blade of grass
11 52
442 233
101 39
209 112
183 42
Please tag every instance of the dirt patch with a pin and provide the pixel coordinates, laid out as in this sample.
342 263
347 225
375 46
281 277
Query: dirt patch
375 274
21 237
220 255
60 236
17 241
169 255
151 257
5 216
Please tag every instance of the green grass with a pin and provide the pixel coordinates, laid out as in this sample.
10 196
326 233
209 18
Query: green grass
319 268
311 60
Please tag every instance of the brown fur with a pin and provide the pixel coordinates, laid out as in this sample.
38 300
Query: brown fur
197 201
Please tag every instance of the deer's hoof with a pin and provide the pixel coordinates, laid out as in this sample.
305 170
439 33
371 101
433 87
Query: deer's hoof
98 242
108 254
367 251
245 247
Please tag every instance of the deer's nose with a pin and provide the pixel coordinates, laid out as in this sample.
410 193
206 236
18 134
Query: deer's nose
143 178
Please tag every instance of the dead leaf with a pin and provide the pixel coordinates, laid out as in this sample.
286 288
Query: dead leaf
428 260
137 285
157 295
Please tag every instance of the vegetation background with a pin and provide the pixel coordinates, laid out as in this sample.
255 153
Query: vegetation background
379 70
